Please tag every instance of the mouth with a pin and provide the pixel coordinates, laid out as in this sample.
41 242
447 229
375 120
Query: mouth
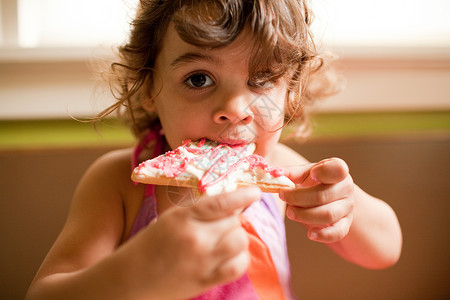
238 146
233 142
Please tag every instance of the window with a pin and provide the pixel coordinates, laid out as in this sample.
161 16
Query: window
398 48
355 23
393 23
66 23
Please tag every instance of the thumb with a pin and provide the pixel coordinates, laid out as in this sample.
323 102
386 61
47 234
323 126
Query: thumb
215 207
329 171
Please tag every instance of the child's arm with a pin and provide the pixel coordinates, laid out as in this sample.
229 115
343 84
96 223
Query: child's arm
182 254
357 226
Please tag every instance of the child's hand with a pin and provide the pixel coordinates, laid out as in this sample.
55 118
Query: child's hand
323 199
189 250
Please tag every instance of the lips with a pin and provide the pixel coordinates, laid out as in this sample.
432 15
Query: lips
229 141
233 142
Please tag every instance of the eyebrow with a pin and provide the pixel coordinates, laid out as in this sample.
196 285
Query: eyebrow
193 57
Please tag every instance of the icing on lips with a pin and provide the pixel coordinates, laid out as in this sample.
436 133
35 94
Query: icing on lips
218 161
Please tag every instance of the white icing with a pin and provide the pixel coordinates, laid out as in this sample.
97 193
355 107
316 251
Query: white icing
197 168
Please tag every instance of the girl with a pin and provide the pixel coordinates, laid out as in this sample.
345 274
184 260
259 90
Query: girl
232 71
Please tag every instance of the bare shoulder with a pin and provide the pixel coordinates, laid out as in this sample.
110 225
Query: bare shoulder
115 163
104 191
96 223
283 156
108 175
106 187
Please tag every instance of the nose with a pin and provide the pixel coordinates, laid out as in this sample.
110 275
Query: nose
234 109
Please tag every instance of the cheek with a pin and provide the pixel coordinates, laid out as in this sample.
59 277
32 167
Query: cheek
269 111
179 123
170 107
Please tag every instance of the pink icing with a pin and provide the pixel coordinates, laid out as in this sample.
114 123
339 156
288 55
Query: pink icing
171 163
256 160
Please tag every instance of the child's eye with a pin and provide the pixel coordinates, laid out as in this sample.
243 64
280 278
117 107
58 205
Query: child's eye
199 80
266 85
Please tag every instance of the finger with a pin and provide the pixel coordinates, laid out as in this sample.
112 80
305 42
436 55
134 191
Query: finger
330 171
231 243
332 233
231 269
300 175
226 204
319 194
321 215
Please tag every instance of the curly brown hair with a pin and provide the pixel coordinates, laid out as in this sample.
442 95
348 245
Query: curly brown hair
282 44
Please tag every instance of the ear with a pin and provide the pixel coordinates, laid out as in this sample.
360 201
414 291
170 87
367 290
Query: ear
149 104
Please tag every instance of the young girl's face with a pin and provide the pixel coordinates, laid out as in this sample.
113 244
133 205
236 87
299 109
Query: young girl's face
207 93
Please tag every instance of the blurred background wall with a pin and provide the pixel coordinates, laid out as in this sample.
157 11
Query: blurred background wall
394 54
391 124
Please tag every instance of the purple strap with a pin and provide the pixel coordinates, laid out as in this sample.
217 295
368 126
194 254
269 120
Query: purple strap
156 135
148 211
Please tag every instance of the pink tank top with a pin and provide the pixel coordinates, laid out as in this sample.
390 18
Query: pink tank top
268 275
